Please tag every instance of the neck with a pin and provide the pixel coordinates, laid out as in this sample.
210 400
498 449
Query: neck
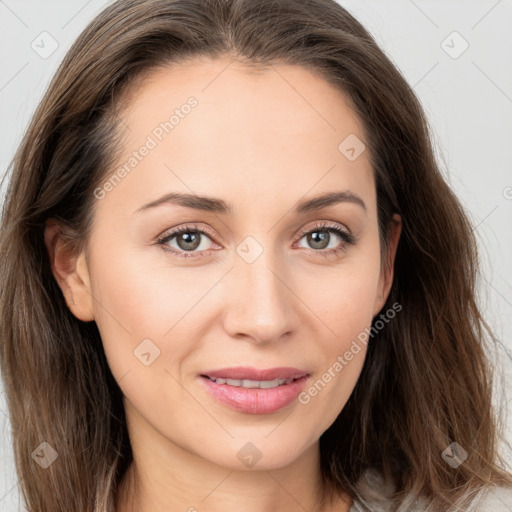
254 491
164 476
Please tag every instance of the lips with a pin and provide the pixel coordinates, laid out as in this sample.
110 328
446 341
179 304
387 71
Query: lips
255 374
255 391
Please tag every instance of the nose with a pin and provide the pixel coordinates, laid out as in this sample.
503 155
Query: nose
259 300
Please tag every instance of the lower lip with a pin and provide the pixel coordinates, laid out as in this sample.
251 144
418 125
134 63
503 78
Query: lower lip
255 400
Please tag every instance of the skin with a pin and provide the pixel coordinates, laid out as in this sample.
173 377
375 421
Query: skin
261 141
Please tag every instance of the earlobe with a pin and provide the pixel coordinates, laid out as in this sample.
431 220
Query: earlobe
69 267
386 278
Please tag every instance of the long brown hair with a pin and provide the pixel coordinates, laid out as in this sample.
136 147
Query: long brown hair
426 381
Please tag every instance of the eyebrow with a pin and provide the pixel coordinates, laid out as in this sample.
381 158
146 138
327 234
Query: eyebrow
212 204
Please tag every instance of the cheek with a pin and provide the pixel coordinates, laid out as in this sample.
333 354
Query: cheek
345 307
150 314
141 313
343 296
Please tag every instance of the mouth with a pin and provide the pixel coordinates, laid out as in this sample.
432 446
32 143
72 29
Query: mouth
240 390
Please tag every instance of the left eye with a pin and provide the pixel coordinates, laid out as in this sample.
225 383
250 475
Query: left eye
317 237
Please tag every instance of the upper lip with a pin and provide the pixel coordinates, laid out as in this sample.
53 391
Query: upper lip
250 373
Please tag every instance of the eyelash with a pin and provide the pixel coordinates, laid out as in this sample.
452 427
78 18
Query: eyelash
348 240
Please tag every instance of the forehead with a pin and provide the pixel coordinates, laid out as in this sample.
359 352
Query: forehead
277 92
281 128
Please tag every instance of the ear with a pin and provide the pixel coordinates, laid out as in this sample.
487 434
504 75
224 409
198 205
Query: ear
70 269
386 274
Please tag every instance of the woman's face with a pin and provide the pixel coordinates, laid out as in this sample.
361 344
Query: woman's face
269 283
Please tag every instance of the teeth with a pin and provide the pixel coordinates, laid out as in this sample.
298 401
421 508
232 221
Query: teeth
250 384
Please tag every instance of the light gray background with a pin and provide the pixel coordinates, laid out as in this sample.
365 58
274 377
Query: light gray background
468 100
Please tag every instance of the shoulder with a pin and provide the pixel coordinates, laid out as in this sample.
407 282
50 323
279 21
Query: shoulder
497 499
376 494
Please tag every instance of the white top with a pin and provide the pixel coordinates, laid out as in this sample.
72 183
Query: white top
376 499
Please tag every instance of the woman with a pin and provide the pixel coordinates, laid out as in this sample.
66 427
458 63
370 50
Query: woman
246 284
